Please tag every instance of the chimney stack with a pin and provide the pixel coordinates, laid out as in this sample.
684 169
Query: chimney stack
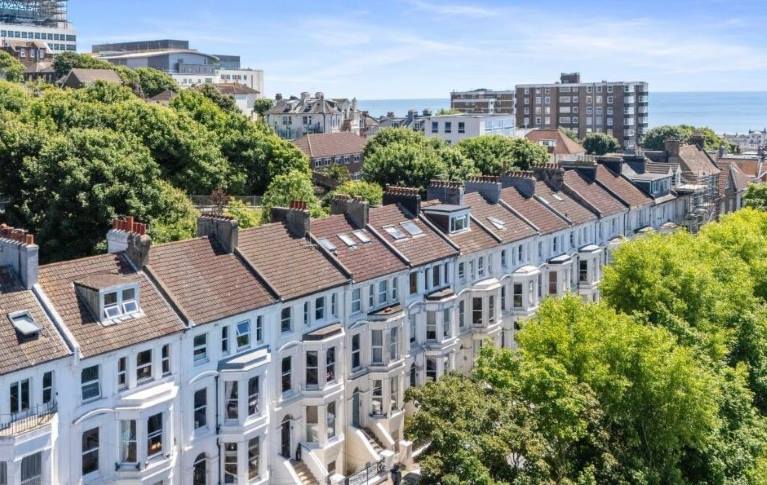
356 209
278 97
489 187
672 148
408 197
614 164
19 251
524 181
130 237
445 191
551 174
224 229
296 218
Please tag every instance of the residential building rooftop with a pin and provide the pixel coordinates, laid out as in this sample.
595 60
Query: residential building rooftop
326 145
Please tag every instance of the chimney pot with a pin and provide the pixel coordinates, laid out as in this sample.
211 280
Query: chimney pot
20 252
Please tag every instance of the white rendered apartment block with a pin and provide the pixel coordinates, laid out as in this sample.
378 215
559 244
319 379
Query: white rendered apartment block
282 353
455 127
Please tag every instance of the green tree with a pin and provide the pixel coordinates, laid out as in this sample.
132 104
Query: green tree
10 68
756 196
223 101
247 216
71 189
369 191
153 81
262 106
13 97
289 187
495 154
337 172
66 61
655 138
458 167
571 134
403 164
600 143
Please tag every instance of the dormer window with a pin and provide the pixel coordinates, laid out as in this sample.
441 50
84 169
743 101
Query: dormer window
459 223
118 303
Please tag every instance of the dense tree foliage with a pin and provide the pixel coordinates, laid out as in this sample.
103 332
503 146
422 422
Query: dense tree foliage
369 191
655 138
756 196
495 154
664 381
289 187
10 68
247 216
600 143
262 106
192 147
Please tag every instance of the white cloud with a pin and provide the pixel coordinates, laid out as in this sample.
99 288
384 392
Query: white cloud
461 10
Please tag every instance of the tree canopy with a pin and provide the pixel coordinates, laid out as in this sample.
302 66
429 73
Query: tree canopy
289 187
191 147
655 138
600 143
663 381
10 68
369 191
496 154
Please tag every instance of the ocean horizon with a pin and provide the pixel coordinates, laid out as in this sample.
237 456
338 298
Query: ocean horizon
722 111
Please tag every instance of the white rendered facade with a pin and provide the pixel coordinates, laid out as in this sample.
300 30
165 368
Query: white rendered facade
454 128
315 381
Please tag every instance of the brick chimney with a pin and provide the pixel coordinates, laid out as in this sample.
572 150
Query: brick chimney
587 167
19 251
407 197
489 187
445 191
296 218
356 209
224 229
130 237
671 147
522 180
552 174
614 164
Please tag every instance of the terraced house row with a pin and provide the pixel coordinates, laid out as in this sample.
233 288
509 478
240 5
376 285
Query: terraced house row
281 354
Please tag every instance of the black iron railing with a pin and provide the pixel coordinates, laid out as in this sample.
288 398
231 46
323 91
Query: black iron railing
27 420
370 471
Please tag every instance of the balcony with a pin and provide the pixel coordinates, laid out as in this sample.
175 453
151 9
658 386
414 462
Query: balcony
204 69
35 418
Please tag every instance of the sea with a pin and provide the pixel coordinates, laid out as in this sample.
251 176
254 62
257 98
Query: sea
723 112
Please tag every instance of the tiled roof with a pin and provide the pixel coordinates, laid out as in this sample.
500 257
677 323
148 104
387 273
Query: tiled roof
564 204
293 266
19 353
365 260
514 228
546 220
158 320
419 250
563 144
592 193
88 76
749 166
696 161
621 188
206 282
323 145
234 88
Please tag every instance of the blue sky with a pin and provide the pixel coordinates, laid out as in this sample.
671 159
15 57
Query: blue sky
426 48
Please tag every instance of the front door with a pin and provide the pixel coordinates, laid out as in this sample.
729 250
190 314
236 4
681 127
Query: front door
356 409
285 432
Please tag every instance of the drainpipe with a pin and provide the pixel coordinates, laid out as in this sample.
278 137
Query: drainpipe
218 439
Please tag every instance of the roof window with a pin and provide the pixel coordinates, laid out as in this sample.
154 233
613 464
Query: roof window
347 240
499 224
411 228
361 235
327 245
394 232
24 323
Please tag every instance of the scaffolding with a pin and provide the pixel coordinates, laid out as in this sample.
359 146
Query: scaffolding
703 192
48 13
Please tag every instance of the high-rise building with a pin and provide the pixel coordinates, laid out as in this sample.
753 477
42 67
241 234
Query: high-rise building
37 20
618 108
483 101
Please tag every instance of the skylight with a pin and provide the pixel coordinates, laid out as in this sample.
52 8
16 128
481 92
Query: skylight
394 232
24 323
557 196
347 240
327 245
411 228
499 224
361 235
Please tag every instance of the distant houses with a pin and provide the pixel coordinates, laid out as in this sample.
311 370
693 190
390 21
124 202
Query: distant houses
294 117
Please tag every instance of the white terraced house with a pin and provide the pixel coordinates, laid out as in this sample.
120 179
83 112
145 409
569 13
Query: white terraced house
281 354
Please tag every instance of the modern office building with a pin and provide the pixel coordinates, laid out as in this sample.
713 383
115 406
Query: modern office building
483 101
37 20
187 66
617 108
